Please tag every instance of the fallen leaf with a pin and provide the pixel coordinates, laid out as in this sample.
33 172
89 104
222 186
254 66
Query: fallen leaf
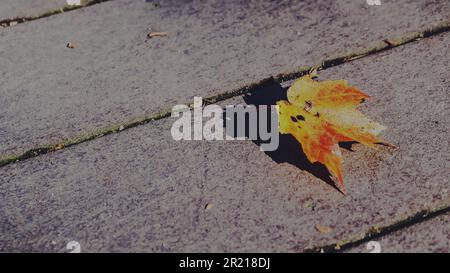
323 229
320 115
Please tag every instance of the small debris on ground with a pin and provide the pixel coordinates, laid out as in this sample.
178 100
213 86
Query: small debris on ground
71 45
209 206
323 229
156 34
59 146
310 205
374 230
74 2
389 43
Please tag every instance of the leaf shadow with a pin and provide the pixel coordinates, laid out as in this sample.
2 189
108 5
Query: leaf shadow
348 145
289 149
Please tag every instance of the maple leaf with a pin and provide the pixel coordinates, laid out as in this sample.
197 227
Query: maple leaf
319 115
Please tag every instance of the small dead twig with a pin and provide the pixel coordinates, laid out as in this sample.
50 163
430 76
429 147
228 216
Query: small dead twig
389 43
157 34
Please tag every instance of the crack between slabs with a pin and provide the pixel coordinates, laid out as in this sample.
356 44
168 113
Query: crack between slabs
378 232
9 22
281 78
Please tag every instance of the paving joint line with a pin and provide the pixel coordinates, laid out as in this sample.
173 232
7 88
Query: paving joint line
378 47
10 22
379 232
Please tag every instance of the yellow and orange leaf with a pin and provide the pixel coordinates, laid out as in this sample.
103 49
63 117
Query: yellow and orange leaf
320 115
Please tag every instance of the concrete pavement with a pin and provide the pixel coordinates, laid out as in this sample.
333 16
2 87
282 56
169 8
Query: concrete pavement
10 9
139 190
51 93
432 236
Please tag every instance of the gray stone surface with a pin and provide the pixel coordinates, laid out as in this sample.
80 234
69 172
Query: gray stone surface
430 236
49 92
10 9
139 190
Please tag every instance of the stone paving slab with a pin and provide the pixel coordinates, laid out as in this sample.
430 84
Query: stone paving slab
50 92
10 9
13 12
431 236
139 190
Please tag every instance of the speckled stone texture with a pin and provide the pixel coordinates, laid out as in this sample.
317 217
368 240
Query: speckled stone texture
139 190
50 92
430 236
10 9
